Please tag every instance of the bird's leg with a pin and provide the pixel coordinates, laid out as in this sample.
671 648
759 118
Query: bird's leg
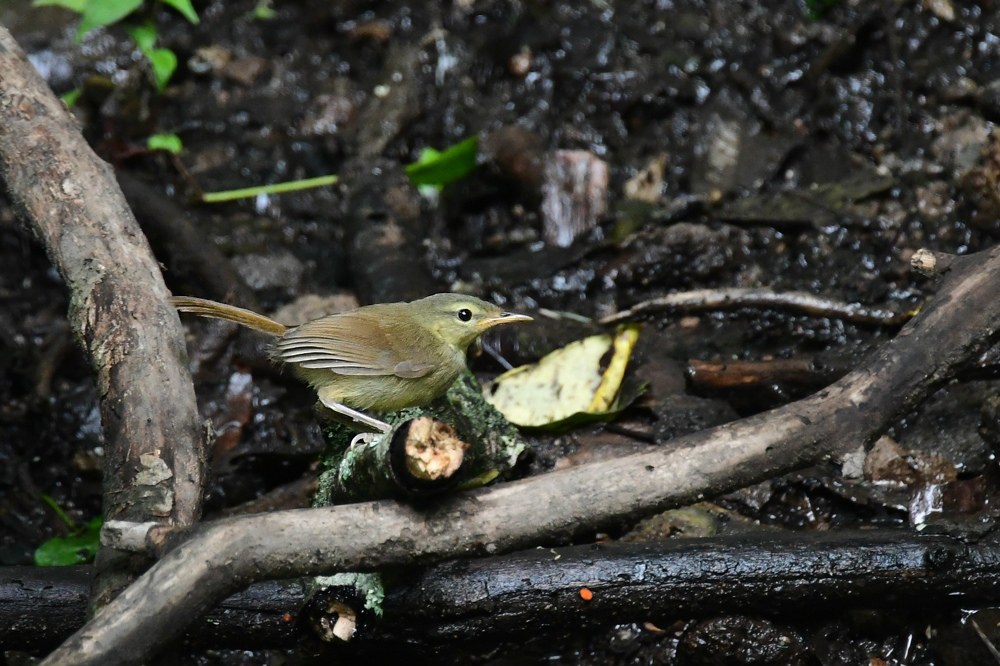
360 417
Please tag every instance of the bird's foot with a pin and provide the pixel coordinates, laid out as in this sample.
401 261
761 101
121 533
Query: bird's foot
363 439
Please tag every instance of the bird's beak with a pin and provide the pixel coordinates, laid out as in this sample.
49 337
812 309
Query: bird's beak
505 318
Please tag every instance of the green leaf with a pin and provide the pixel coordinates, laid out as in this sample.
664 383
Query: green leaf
186 10
69 98
263 11
169 142
144 35
73 5
99 13
439 169
164 63
77 548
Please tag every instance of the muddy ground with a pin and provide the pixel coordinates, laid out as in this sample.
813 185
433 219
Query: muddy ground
747 144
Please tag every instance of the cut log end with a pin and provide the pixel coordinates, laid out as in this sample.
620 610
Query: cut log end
433 451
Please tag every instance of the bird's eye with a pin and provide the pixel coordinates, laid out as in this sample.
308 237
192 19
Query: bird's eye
464 314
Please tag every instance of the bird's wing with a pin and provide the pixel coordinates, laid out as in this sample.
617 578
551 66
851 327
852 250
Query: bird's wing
352 343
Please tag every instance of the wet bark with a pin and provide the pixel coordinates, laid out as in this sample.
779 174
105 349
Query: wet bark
953 329
154 465
538 591
817 575
41 606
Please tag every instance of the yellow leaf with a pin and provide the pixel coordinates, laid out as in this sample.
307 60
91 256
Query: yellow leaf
611 381
568 382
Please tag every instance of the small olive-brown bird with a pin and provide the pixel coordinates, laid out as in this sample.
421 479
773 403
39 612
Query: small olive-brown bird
381 357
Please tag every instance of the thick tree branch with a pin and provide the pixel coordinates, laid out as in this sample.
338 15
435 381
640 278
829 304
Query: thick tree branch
227 555
118 308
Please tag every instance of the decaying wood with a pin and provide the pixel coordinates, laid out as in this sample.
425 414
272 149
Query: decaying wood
958 324
41 606
491 600
930 263
153 465
774 574
458 440
417 458
809 371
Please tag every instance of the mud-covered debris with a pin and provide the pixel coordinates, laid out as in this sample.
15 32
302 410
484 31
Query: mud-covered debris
818 204
962 138
281 270
755 640
647 185
245 70
733 151
574 195
328 114
518 153
313 306
889 463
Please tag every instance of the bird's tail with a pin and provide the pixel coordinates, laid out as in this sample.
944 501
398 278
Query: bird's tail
206 308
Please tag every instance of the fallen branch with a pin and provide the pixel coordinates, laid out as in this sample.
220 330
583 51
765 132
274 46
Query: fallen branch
458 440
795 301
41 606
229 554
784 574
808 371
775 574
153 463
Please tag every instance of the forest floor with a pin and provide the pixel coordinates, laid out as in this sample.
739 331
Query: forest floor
746 144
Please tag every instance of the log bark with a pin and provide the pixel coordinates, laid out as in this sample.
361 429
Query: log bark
819 575
41 606
957 325
491 600
395 464
153 466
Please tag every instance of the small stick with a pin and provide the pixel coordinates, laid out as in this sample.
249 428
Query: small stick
798 301
733 374
986 641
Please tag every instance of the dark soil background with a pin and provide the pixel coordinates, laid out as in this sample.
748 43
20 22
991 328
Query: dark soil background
781 145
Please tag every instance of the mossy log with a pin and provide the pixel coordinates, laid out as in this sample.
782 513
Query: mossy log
469 444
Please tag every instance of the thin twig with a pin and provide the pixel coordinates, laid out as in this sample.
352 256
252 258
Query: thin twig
797 301
986 641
